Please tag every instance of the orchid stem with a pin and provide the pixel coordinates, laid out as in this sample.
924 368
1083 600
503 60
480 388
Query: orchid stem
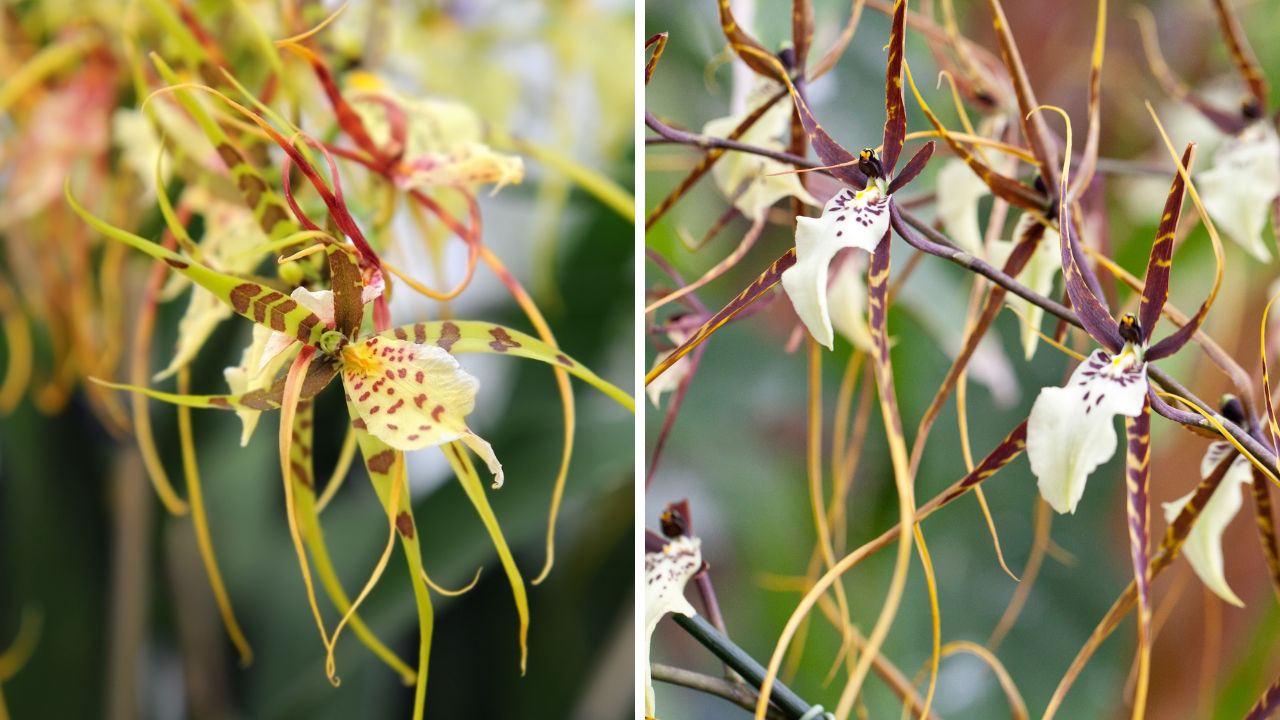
748 667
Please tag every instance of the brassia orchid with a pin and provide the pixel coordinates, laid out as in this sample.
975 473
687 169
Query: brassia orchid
669 565
1242 188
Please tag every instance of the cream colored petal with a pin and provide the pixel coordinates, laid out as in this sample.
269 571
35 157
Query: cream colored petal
671 379
413 396
847 300
1039 273
1203 546
850 220
1239 188
1070 431
255 372
665 575
959 191
754 183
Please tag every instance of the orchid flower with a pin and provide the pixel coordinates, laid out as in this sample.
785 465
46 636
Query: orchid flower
438 141
1203 546
1038 274
671 379
959 190
754 183
668 567
1243 184
1069 431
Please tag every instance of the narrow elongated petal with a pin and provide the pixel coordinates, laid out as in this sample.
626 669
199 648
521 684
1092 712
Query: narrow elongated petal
413 396
1240 186
852 219
665 575
1203 547
1070 430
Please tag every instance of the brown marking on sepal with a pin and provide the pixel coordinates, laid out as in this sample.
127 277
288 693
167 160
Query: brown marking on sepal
564 360
176 264
501 340
242 295
382 462
404 524
449 334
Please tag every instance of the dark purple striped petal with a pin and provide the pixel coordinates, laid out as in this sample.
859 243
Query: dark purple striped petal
1156 285
913 167
1094 316
895 109
750 294
1137 475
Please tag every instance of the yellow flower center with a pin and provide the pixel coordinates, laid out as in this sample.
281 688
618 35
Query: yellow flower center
360 358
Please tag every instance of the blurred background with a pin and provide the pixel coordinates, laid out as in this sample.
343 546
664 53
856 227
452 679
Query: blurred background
107 591
737 451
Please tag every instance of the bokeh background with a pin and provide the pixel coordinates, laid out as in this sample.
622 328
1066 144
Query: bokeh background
85 545
737 450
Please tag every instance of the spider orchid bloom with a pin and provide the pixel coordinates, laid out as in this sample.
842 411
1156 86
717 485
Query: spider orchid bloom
1203 546
1070 430
667 569
852 218
1243 184
754 183
437 142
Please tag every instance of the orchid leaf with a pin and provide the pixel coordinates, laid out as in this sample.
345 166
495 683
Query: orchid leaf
256 302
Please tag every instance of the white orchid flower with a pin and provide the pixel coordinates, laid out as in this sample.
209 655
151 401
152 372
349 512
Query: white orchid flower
1203 546
754 183
1070 430
1243 183
665 575
851 219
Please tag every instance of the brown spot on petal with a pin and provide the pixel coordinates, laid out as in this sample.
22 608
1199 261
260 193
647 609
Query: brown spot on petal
304 327
358 424
564 360
449 334
177 264
382 462
435 414
220 402
404 523
230 156
300 473
501 340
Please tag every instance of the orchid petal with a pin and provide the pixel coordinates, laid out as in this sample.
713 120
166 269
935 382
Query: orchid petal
1203 546
847 300
413 396
755 183
671 379
851 219
1240 186
959 190
665 575
1070 430
1038 274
